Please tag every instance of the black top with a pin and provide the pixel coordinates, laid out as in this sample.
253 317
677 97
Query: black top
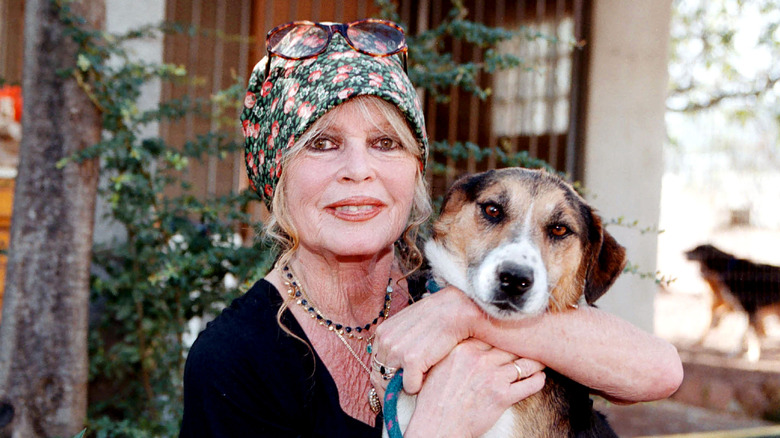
246 377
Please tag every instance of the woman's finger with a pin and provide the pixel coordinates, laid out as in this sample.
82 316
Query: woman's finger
527 367
380 385
526 387
413 380
479 345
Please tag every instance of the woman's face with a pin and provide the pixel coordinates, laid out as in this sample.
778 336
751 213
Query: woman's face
350 190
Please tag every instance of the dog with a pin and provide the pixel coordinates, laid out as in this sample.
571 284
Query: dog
739 284
521 242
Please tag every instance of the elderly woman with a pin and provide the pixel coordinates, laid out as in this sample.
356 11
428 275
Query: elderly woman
336 147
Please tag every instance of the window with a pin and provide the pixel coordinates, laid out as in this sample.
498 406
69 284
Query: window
534 99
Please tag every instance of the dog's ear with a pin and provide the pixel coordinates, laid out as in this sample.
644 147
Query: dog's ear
461 191
608 258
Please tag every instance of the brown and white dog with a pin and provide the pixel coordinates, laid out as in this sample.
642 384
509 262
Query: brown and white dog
521 242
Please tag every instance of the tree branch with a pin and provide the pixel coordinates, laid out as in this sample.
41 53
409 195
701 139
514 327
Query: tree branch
716 99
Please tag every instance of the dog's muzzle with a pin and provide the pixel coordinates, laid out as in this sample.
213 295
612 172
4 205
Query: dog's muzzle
511 281
515 280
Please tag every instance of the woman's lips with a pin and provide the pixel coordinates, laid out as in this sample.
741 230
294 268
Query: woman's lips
356 208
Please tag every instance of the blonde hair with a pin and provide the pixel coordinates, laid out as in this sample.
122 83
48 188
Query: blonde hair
279 226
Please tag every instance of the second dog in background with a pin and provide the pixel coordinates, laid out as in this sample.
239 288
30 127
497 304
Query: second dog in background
739 284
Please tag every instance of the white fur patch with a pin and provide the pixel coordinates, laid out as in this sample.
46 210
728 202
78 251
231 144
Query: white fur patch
504 427
405 409
446 266
452 269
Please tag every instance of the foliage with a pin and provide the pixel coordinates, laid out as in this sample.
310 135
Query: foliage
435 70
180 251
463 150
657 277
723 50
723 121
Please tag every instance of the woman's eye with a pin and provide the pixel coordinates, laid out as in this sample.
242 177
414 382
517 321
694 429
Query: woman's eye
387 144
322 144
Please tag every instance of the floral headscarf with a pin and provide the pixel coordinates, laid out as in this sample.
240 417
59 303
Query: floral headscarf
279 109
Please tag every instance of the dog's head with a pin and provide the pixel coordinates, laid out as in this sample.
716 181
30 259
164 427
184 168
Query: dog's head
711 259
520 242
707 252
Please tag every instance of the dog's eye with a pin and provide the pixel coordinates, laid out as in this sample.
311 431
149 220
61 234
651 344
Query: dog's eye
559 230
492 212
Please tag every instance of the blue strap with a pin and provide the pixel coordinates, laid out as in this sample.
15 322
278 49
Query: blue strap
394 388
432 286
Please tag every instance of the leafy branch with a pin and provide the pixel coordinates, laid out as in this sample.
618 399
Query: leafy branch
436 71
465 150
708 63
180 258
657 276
621 221
757 89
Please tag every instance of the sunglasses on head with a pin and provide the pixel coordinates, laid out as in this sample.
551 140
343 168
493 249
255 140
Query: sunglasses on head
306 39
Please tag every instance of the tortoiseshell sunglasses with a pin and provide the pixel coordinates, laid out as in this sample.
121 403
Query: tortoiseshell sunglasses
306 39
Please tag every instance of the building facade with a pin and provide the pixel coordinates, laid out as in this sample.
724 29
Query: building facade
589 100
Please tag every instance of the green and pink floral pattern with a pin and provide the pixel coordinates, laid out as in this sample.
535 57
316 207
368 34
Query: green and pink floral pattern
282 107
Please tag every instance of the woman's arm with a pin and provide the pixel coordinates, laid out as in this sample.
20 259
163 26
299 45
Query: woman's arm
595 348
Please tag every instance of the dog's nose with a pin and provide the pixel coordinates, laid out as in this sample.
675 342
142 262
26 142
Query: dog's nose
515 280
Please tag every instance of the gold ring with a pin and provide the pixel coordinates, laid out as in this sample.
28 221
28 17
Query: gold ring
386 371
520 373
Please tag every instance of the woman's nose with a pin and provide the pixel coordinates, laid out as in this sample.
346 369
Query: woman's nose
357 164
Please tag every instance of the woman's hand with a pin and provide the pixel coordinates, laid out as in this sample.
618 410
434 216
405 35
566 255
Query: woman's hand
466 393
424 333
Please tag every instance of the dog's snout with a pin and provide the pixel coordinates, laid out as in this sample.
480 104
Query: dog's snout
514 279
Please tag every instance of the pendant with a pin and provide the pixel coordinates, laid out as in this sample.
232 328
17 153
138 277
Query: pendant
373 401
369 350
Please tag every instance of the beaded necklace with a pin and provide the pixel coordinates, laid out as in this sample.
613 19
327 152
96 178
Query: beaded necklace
295 291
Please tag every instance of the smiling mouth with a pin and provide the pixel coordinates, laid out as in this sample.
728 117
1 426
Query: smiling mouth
354 208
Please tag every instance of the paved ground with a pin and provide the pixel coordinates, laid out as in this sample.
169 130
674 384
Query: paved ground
689 217
669 417
682 318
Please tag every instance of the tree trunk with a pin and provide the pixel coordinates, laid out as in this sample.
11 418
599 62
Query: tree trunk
43 335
